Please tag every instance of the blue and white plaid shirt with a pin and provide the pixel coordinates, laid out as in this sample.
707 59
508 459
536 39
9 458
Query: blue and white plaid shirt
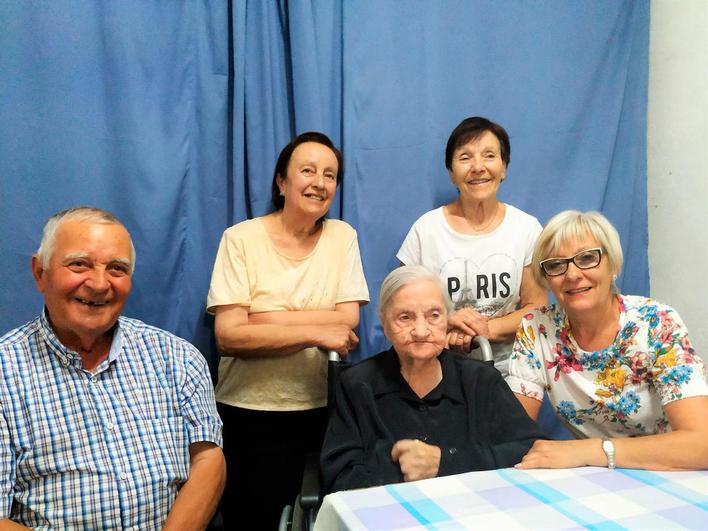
101 450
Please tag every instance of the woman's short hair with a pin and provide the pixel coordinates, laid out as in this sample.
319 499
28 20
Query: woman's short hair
281 165
403 276
80 213
471 129
575 225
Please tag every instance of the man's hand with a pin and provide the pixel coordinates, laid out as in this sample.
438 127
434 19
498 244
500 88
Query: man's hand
8 525
417 459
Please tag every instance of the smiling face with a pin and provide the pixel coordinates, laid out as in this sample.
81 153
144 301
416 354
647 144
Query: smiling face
579 290
87 281
477 167
416 321
311 180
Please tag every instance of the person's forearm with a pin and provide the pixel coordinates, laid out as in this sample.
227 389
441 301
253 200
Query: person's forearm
677 450
305 317
265 340
503 329
8 525
199 497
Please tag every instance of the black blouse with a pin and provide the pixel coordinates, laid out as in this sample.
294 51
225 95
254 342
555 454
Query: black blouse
472 415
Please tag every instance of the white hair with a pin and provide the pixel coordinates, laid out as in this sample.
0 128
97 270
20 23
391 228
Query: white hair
81 213
405 275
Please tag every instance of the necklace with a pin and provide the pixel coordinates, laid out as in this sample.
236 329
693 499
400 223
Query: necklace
483 228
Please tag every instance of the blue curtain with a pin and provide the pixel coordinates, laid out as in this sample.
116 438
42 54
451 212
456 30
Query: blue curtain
171 115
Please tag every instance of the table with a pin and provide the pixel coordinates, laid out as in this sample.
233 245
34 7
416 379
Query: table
588 497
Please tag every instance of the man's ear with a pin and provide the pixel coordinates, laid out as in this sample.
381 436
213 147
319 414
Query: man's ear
38 272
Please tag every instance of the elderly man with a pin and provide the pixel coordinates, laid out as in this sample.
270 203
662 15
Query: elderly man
418 411
106 422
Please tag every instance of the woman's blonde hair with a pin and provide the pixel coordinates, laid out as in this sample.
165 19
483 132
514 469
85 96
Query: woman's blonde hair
572 225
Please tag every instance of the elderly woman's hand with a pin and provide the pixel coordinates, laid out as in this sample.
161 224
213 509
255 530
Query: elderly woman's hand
564 454
470 322
417 459
458 340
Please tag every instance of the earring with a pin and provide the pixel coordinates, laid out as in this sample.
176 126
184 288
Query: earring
282 194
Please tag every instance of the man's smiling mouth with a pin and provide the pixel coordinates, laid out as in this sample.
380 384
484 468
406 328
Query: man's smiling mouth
91 303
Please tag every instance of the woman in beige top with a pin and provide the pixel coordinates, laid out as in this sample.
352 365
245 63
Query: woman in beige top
286 288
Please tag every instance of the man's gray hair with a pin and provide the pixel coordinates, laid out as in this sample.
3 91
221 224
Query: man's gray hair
80 213
405 275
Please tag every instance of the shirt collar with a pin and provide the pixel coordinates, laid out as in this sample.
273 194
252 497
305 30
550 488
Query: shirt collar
68 356
390 379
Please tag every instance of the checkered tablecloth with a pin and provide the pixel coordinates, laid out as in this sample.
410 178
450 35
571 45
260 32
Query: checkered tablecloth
574 498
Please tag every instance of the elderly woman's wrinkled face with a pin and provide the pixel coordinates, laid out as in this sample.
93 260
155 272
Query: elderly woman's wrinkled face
415 321
577 289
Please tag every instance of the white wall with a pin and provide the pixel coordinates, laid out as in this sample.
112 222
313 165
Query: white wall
678 161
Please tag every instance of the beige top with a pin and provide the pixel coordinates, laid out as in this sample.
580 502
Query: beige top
249 271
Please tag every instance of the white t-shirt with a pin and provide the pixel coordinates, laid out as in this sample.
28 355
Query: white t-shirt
482 271
251 272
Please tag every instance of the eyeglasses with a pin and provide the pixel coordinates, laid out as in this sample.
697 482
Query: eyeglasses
586 259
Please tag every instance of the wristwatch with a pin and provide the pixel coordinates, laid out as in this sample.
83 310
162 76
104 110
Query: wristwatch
609 448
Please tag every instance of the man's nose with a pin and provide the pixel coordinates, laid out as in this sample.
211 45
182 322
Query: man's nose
98 280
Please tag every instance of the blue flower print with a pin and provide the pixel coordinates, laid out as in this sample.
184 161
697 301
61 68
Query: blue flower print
626 405
566 409
678 375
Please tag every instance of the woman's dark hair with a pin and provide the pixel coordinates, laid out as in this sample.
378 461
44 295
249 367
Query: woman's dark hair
471 129
281 166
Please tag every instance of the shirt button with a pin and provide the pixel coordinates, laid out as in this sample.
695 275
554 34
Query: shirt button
94 379
422 408
110 426
123 475
452 450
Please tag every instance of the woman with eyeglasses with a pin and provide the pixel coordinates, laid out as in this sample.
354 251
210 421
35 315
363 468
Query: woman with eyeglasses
619 370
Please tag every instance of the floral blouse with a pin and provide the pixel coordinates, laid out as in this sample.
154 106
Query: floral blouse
617 391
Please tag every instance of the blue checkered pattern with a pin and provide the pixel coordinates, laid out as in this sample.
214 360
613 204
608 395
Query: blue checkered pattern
562 499
102 450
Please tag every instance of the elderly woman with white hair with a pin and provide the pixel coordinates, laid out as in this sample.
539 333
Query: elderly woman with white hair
418 411
615 367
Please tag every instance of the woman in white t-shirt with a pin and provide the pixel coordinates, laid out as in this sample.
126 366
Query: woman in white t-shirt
286 288
480 247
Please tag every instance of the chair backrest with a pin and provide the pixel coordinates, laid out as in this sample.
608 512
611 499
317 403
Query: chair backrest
482 350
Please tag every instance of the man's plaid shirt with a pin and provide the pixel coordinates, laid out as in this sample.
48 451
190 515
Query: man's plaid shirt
101 450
